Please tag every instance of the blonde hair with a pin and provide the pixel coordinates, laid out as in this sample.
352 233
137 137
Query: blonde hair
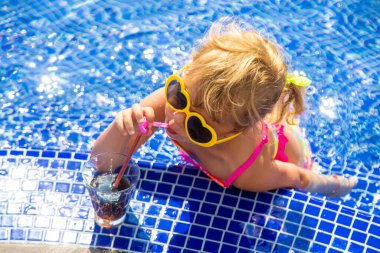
240 74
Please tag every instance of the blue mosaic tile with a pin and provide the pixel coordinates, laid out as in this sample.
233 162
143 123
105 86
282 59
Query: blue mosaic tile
161 166
197 231
201 183
181 191
144 196
48 154
172 249
190 251
307 233
187 216
45 186
127 231
326 226
162 237
155 248
281 248
231 238
192 205
236 226
3 234
159 199
176 202
149 222
80 156
185 180
65 155
196 194
358 236
294 216
16 152
342 231
35 235
313 210
316 247
301 244
310 221
32 153
62 187
138 246
78 188
210 246
340 243
264 246
153 175
178 240
17 234
181 228
296 205
344 220
261 208
245 204
246 241
285 239
145 164
360 225
331 206
227 248
165 224
274 224
323 238
225 212
354 247
212 197
214 234
169 178
375 250
3 153
291 228
193 243
241 216
229 200
262 196
143 233
219 223
171 213
73 165
208 208
121 243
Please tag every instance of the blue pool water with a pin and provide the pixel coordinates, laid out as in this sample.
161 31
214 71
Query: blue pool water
66 67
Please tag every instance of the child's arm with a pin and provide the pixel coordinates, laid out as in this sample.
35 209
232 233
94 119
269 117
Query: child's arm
125 126
276 174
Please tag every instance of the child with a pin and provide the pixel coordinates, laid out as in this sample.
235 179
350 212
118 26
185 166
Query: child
232 111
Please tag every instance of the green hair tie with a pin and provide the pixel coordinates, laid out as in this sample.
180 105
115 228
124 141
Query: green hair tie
300 81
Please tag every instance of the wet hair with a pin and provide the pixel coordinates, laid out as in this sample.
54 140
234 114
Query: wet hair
241 75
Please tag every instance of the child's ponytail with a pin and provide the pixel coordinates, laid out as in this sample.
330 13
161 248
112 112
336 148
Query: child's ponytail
291 103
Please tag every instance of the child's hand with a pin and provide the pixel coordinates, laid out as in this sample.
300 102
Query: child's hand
127 120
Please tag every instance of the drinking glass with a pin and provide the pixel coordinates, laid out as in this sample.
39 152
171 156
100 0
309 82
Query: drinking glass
99 174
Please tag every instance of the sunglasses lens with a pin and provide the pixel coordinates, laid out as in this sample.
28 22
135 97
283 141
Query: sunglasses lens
175 96
197 132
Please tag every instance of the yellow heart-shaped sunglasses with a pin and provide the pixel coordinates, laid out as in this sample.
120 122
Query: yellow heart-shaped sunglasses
197 129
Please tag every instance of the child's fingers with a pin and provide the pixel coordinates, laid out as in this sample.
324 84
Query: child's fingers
149 115
138 113
128 122
119 122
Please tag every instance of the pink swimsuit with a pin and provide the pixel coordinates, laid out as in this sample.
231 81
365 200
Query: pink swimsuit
280 141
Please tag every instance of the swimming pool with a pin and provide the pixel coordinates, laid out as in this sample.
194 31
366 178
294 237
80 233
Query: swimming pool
68 66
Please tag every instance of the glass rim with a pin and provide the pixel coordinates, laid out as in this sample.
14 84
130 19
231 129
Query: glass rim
132 163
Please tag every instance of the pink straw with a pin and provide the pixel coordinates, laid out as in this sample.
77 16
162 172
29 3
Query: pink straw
143 130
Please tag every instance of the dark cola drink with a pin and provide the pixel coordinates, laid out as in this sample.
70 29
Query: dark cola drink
110 204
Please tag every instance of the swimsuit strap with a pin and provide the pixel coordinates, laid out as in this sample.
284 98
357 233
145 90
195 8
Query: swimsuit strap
251 159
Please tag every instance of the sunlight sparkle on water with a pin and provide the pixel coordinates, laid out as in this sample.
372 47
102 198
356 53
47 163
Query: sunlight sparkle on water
328 107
